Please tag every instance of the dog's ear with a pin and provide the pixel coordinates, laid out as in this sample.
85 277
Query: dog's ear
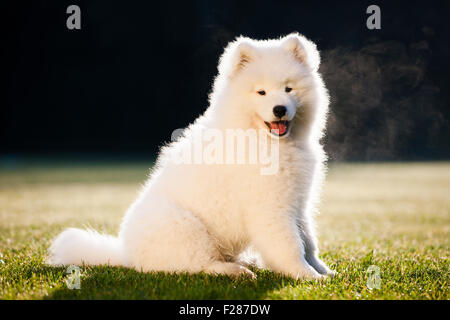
303 50
244 55
238 54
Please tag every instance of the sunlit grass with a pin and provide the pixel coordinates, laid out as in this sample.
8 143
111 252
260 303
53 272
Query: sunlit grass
394 216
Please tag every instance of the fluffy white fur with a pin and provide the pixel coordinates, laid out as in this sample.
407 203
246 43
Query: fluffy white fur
208 218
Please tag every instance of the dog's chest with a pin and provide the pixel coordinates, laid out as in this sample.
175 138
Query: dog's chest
226 191
223 196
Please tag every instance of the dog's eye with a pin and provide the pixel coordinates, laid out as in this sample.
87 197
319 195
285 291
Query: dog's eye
287 89
261 92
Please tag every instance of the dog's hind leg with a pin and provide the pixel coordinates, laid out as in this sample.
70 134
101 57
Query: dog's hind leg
160 235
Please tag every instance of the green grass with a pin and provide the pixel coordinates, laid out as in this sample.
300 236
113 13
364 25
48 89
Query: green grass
394 216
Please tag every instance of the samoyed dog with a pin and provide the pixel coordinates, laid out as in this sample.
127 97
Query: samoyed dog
217 216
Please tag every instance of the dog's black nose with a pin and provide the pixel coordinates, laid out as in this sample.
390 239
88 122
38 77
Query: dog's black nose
279 111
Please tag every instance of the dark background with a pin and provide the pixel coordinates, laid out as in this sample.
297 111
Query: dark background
138 70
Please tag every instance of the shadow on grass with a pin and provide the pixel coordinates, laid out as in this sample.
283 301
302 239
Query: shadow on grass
122 283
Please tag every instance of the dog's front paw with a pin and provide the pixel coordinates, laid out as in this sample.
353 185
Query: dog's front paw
231 269
308 274
320 266
330 273
246 273
326 272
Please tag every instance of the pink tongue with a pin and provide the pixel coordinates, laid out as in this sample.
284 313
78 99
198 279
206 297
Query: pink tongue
279 127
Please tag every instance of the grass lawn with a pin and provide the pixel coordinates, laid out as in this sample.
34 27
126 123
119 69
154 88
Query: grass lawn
393 216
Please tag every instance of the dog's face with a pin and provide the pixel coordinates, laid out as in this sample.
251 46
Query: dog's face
268 79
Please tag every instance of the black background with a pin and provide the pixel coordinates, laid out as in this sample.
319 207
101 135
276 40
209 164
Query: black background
138 70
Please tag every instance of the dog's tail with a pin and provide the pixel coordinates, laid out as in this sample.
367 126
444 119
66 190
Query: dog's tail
76 246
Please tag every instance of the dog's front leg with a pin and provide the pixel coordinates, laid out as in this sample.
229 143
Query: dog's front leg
308 235
279 243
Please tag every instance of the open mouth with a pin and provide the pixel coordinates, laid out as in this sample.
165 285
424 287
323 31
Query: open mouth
278 128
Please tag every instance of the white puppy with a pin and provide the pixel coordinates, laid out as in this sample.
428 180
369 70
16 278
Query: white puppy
200 215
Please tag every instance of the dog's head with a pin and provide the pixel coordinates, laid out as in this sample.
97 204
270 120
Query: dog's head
272 81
